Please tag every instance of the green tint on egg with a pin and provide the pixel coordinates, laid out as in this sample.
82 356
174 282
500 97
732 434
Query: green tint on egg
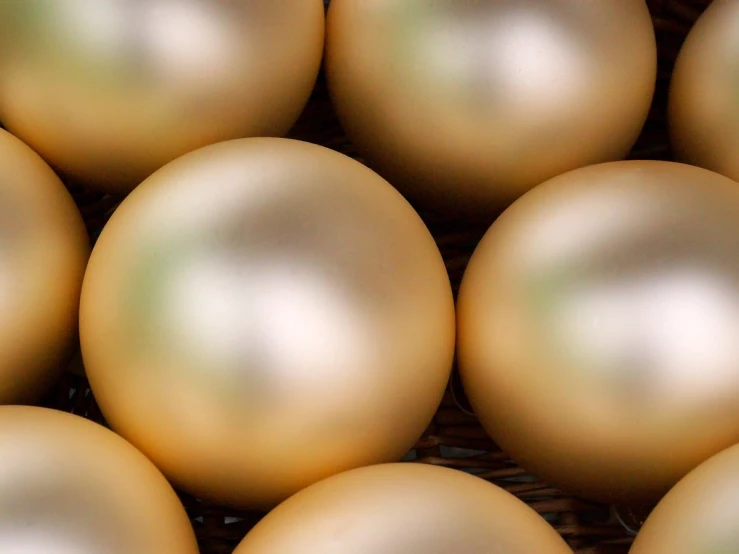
466 105
597 325
109 91
263 313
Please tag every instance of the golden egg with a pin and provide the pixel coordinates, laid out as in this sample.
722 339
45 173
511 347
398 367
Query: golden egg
703 108
700 515
111 90
263 313
70 486
466 105
403 509
43 252
597 327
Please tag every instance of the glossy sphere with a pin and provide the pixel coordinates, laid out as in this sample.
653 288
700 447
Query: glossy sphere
263 313
700 515
597 328
43 252
465 105
70 486
111 90
403 509
703 110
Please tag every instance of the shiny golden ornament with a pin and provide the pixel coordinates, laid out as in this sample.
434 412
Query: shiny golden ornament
70 486
598 325
403 509
43 253
465 105
703 107
700 515
109 91
263 313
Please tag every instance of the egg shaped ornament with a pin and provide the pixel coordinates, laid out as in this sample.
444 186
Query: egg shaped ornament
71 486
263 313
403 509
703 111
466 105
598 326
43 252
109 91
700 515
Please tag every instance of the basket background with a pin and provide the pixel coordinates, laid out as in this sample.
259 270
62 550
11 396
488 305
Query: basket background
454 439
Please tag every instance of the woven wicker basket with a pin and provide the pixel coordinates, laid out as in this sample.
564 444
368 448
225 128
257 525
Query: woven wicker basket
455 438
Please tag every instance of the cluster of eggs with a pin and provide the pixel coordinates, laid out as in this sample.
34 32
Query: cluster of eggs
268 324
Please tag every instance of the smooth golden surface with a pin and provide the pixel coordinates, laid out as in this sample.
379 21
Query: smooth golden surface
598 323
109 91
700 515
466 104
263 313
43 252
703 107
403 509
70 486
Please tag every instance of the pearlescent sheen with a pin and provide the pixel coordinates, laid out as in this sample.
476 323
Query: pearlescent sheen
403 509
598 322
109 91
263 313
703 107
43 252
70 486
700 515
464 105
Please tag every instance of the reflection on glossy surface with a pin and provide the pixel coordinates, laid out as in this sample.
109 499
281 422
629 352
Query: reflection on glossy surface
109 91
598 325
70 486
264 313
43 252
700 515
465 105
703 108
403 509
